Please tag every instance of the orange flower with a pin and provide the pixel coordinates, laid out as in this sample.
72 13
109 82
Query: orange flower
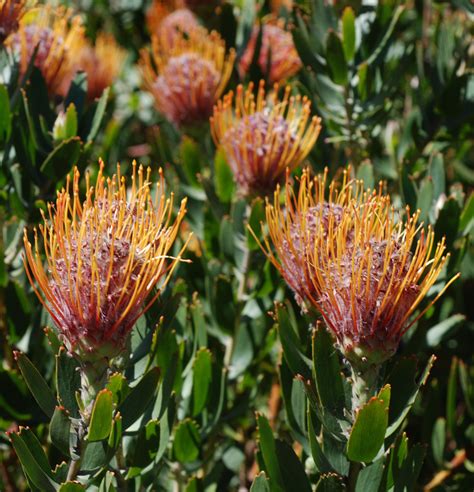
278 58
263 136
102 64
352 258
187 78
169 24
11 12
58 38
104 257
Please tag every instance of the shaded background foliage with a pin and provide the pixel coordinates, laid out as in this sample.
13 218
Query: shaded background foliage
396 98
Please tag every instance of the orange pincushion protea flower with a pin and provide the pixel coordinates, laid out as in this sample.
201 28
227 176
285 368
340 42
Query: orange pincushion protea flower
263 136
102 64
58 38
104 257
169 24
187 78
278 58
351 258
11 12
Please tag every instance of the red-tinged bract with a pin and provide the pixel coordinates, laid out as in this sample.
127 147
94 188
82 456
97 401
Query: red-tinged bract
11 12
106 258
262 136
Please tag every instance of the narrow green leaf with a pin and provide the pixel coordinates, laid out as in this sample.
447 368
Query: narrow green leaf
58 163
37 385
139 398
260 483
187 442
269 453
448 221
5 115
366 174
336 59
330 482
368 432
438 441
348 33
202 376
452 397
296 360
425 198
224 178
327 372
59 430
370 477
68 381
257 215
72 487
33 460
363 73
190 155
438 175
101 417
466 221
99 115
294 476
443 330
320 460
119 387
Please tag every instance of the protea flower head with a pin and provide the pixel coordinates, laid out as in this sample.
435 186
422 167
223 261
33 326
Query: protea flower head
262 136
104 258
278 58
187 78
169 24
352 258
102 64
57 37
11 12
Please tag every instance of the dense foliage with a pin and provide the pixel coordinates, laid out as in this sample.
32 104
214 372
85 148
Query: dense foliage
228 382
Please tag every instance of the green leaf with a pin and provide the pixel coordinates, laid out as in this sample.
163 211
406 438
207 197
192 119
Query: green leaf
223 178
5 115
368 432
451 399
466 221
33 460
447 224
320 460
115 438
260 483
404 389
95 456
257 215
37 385
65 125
139 398
370 477
99 115
348 33
202 377
148 444
72 487
118 385
446 328
187 442
330 482
59 430
362 73
268 449
366 174
101 418
58 163
190 156
425 198
294 477
327 372
336 59
68 381
438 175
297 362
438 441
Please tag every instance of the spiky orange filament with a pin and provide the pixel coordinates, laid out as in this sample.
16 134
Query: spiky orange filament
263 135
104 257
349 254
